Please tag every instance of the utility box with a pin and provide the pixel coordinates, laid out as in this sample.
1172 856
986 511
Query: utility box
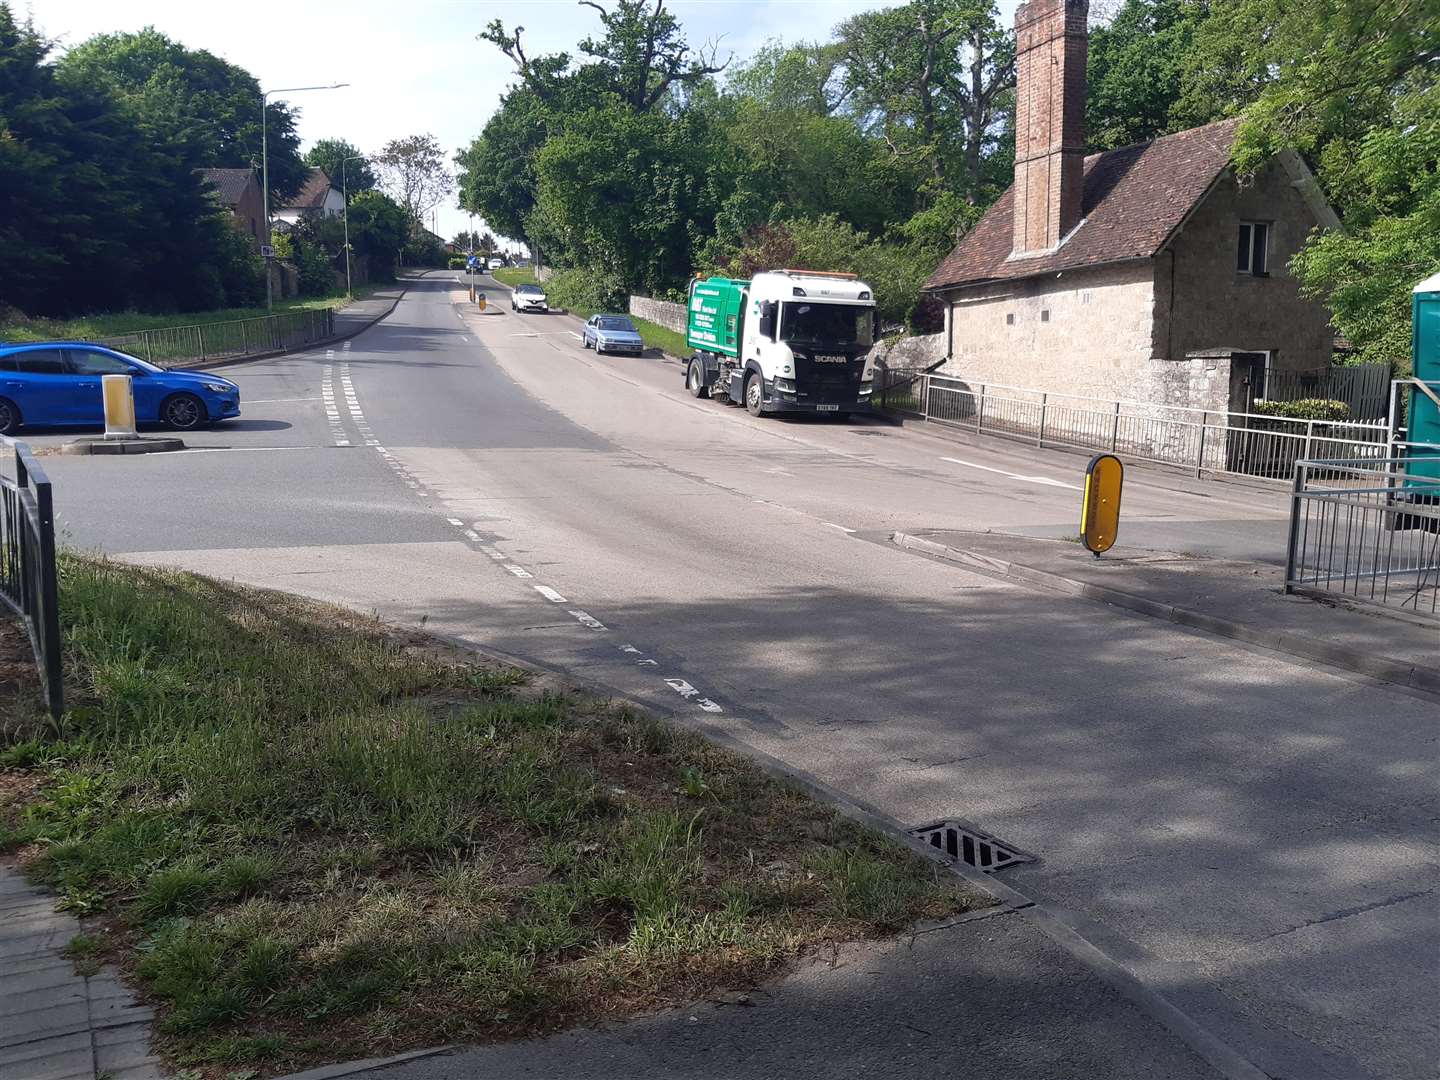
1423 425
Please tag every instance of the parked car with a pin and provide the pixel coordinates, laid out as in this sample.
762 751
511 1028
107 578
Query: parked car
496 264
528 297
612 333
58 383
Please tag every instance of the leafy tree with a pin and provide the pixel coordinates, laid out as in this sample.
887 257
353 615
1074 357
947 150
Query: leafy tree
497 170
92 217
1350 85
640 56
379 228
1137 68
193 97
413 172
805 78
329 154
931 77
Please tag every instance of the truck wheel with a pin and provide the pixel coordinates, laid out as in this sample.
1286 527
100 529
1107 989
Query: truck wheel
755 394
695 380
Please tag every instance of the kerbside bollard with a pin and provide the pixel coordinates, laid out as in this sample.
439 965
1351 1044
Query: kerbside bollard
119 406
480 300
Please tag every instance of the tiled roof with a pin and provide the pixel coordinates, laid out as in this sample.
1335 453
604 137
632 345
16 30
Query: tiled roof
312 195
229 183
1135 197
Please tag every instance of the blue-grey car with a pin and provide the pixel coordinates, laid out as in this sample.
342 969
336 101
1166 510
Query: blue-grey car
57 384
612 334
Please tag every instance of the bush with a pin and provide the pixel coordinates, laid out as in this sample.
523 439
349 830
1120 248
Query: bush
457 262
1304 409
587 291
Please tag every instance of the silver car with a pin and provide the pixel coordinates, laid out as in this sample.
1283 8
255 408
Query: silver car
612 334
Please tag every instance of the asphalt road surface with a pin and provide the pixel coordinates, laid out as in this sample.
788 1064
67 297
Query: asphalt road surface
1252 835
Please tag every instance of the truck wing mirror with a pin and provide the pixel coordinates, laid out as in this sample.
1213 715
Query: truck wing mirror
767 319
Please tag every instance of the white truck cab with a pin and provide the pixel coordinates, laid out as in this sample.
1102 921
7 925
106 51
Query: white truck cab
784 341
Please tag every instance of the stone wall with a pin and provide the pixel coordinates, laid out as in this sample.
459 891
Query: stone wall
912 351
661 312
1203 305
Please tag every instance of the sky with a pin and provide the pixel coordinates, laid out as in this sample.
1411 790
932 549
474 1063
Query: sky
416 66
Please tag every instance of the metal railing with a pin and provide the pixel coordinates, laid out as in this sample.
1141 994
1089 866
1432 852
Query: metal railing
175 346
1369 531
27 565
1245 444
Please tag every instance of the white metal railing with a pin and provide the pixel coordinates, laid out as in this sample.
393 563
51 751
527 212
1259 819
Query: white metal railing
1246 444
1368 530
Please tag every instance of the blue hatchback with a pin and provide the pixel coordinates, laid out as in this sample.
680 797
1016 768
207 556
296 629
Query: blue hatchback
57 383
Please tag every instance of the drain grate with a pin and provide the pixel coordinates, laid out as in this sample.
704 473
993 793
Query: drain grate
971 846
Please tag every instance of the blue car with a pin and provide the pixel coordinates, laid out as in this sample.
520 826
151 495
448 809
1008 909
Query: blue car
613 334
57 383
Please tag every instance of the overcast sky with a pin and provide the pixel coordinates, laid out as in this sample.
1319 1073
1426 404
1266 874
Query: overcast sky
413 66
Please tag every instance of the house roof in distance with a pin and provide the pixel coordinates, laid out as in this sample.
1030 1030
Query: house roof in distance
312 195
1135 199
229 184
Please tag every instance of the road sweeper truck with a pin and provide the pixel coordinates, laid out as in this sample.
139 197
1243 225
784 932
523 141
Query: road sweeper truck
784 341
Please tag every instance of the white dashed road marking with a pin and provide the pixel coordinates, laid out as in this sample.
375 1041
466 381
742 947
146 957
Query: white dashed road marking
550 594
586 619
518 571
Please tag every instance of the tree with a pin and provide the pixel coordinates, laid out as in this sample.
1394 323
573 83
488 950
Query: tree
412 171
930 78
1137 67
497 169
329 154
378 230
1351 86
640 56
193 97
92 217
805 77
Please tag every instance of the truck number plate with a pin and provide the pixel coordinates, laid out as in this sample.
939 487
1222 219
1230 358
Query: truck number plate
827 408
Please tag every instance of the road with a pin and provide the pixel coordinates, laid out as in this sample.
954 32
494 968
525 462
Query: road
1252 835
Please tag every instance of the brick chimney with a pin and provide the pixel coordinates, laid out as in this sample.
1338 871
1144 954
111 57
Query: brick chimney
1051 43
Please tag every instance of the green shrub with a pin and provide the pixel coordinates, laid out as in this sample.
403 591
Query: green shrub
1304 409
457 262
587 291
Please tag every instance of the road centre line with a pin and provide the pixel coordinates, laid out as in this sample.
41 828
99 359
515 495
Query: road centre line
549 594
1013 476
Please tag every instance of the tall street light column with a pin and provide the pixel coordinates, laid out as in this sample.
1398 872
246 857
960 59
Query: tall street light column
345 213
265 173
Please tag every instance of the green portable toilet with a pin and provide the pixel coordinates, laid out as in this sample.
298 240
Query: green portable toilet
1424 421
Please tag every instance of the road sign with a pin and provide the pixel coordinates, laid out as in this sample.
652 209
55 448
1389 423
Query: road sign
266 251
1100 512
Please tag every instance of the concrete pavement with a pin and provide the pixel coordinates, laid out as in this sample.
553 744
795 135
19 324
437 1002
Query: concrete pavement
1252 836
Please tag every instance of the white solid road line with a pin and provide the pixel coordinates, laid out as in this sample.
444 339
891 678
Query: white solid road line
1014 476
842 528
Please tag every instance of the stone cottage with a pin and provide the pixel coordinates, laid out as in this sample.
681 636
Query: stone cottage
1146 273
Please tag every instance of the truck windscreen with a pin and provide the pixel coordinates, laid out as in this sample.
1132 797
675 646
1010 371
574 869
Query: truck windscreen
827 324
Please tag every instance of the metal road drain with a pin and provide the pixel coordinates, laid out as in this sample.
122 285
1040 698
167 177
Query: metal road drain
970 846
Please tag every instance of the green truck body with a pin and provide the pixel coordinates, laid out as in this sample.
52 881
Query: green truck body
715 312
1424 419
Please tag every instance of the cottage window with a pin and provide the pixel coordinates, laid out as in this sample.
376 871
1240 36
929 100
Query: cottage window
1253 254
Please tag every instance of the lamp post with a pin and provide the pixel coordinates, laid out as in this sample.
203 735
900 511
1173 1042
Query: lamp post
265 168
345 213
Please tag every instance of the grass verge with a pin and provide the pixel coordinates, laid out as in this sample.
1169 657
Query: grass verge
514 275
309 836
92 327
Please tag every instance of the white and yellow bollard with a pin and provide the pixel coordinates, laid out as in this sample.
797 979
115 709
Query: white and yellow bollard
119 406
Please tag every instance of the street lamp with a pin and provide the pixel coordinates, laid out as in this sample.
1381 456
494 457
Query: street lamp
265 168
345 213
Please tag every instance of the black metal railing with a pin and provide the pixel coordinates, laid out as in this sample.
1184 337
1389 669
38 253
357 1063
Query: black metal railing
176 346
27 565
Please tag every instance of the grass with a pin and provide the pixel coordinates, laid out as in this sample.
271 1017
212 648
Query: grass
92 327
514 275
311 836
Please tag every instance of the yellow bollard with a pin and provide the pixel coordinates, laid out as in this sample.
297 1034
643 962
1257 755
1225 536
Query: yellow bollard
1100 511
119 406
481 301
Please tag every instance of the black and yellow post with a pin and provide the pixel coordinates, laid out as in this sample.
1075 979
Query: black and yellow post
1100 513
